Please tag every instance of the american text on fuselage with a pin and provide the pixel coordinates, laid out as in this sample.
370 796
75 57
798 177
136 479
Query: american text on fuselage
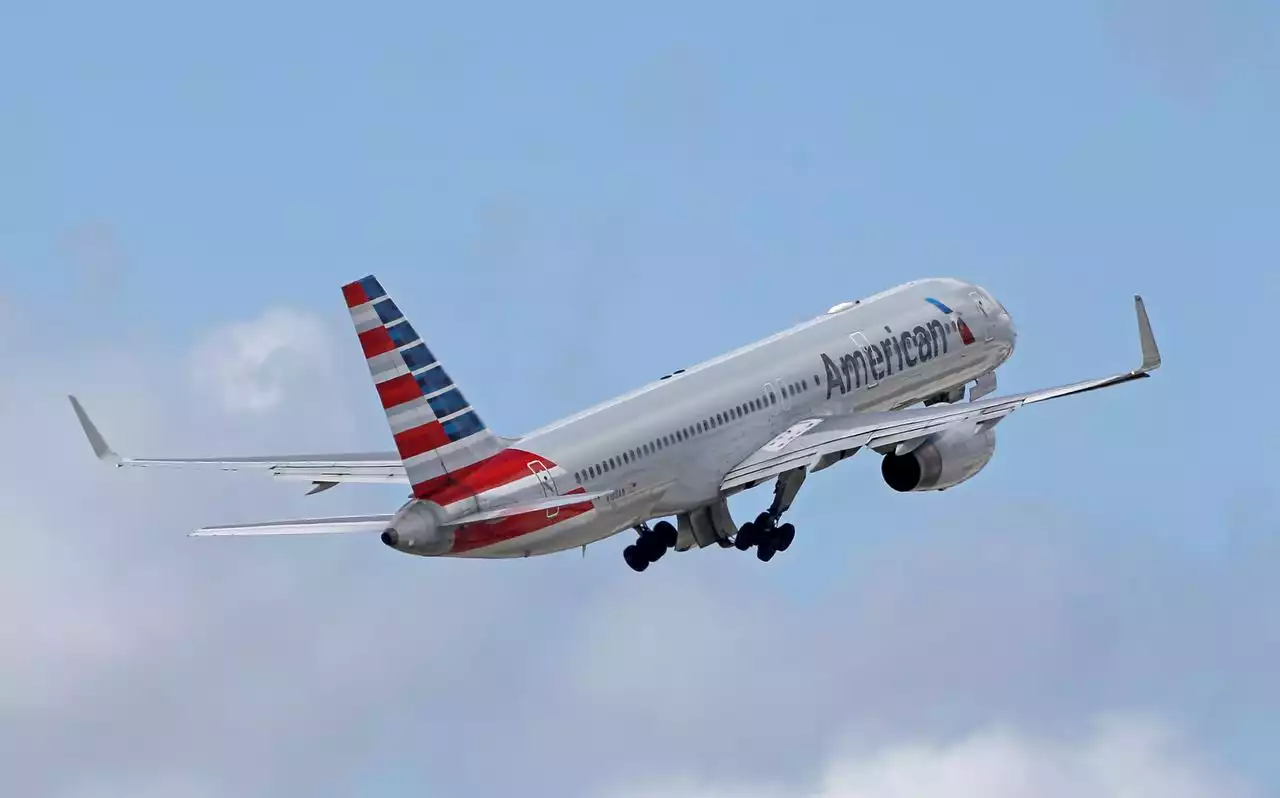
873 361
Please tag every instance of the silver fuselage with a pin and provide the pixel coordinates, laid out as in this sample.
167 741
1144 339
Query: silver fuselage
665 448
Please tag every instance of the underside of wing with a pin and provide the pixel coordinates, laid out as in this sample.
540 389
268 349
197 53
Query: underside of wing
325 470
817 442
301 526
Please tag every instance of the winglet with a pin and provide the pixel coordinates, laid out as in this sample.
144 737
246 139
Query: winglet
1150 352
99 444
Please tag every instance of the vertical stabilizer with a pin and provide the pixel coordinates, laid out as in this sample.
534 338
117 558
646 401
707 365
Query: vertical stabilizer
437 432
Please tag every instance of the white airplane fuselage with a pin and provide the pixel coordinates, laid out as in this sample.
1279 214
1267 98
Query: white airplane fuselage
665 448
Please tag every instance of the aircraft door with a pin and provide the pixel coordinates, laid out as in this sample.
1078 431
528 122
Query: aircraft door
547 483
984 318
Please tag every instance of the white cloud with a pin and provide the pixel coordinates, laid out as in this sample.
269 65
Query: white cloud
1124 757
252 366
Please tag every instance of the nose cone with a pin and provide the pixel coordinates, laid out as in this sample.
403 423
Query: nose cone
1007 333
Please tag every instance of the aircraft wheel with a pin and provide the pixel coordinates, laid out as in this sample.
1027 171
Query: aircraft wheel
744 538
665 532
764 521
786 534
650 547
635 558
765 551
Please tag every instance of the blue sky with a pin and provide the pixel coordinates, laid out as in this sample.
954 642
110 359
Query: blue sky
569 200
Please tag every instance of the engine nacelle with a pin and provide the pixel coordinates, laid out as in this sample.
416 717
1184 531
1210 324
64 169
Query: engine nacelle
943 461
416 529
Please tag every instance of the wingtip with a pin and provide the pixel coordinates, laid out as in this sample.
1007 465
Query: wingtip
100 447
1150 351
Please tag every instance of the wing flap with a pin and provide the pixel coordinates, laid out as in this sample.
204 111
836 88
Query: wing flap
897 427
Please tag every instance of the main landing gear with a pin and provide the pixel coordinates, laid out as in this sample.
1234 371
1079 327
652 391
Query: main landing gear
765 533
652 544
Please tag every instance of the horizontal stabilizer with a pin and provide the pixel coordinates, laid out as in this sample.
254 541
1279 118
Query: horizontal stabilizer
301 526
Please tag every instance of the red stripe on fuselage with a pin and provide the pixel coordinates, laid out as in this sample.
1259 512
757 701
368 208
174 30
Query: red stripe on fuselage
354 294
503 468
477 536
413 442
398 390
376 341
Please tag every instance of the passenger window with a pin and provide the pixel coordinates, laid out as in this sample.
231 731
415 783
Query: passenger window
804 384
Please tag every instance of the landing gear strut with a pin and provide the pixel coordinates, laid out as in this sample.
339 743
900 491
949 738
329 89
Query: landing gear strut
765 533
650 546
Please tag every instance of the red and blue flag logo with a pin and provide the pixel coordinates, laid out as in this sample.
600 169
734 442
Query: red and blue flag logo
966 335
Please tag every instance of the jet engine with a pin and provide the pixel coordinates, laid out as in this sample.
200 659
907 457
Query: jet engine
416 529
944 460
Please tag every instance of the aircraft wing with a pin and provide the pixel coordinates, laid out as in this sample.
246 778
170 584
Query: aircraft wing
815 443
325 470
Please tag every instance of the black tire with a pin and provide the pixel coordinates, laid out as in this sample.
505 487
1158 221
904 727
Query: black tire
785 535
764 521
765 551
744 539
650 547
635 558
666 533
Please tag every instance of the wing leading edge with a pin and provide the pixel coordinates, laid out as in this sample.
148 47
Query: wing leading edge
815 443
325 470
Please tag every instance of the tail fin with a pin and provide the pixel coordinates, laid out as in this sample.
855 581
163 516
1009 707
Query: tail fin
436 430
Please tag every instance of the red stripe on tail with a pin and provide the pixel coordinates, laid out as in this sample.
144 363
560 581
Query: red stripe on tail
354 294
413 442
398 390
376 341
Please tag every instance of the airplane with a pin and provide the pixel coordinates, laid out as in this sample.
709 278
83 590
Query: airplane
777 410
